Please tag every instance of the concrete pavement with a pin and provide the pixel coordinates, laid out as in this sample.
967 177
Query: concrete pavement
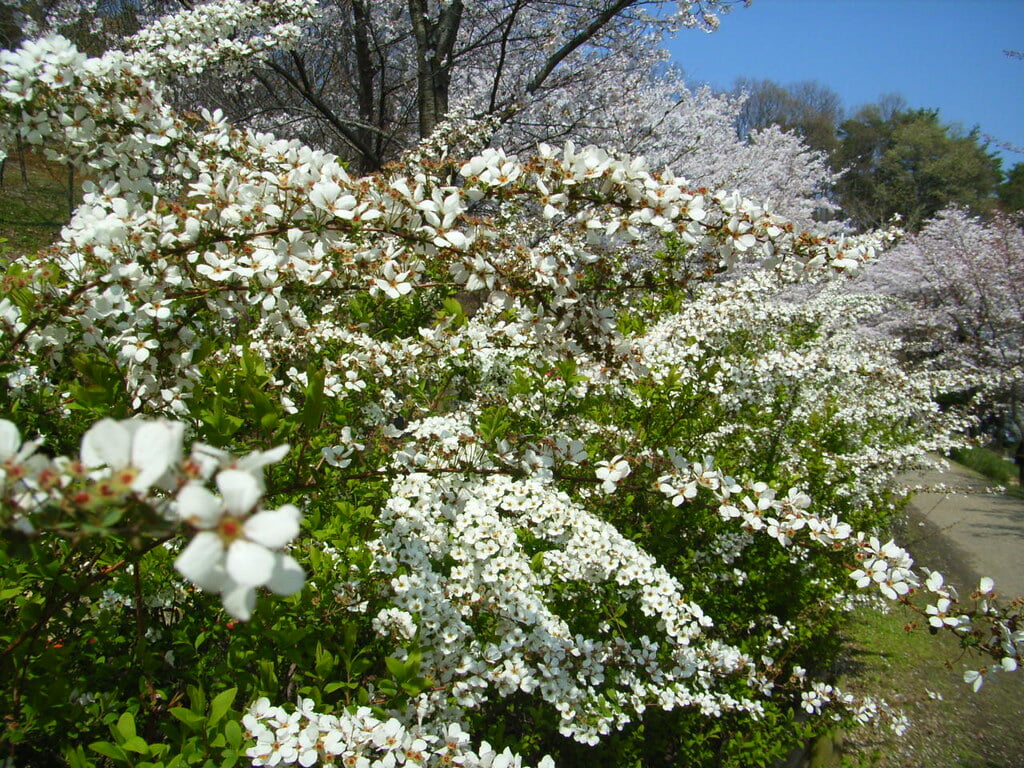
966 532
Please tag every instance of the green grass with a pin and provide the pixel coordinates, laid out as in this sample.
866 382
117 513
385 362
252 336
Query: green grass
992 465
951 726
32 213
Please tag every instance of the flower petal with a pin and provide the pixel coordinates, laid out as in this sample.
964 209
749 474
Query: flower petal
107 442
155 446
238 600
199 561
273 528
198 507
288 576
256 460
240 491
249 564
10 439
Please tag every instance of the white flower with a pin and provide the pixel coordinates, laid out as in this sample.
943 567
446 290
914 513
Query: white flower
935 582
233 551
986 587
20 466
392 283
611 472
137 452
339 456
11 449
206 460
974 678
938 614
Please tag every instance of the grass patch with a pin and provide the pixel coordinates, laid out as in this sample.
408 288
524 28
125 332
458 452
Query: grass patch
33 208
922 675
992 465
987 462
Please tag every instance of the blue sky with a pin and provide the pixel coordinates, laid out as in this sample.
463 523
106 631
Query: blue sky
944 54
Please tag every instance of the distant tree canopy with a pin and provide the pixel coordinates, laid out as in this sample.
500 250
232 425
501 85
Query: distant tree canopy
808 108
1011 191
893 159
908 162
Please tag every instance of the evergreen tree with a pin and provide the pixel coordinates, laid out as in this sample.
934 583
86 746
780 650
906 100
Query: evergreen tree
1011 191
910 164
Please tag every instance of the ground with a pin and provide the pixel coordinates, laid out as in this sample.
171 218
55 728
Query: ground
965 536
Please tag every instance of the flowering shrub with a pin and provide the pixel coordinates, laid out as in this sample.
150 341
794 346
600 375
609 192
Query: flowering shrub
540 476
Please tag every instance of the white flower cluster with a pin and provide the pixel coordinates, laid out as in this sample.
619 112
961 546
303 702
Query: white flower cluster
495 582
886 567
1004 640
194 234
237 547
823 696
266 219
360 739
687 348
212 34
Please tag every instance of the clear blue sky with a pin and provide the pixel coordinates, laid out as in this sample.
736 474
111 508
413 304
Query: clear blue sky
943 54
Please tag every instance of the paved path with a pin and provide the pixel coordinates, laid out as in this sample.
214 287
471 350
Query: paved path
967 533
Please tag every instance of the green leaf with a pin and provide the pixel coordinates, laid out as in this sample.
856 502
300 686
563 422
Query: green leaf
196 698
126 725
107 749
76 758
221 704
233 733
325 662
396 668
136 744
313 409
537 562
267 674
112 517
188 717
493 423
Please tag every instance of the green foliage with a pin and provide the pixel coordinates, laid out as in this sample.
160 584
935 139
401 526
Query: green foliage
1011 190
204 735
909 163
987 462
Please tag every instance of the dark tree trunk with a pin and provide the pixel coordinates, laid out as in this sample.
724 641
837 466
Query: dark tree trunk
365 70
435 41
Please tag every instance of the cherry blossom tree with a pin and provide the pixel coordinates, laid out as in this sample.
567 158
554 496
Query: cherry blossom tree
959 288
369 79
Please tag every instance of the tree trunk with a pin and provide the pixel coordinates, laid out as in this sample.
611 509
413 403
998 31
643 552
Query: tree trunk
435 40
365 70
